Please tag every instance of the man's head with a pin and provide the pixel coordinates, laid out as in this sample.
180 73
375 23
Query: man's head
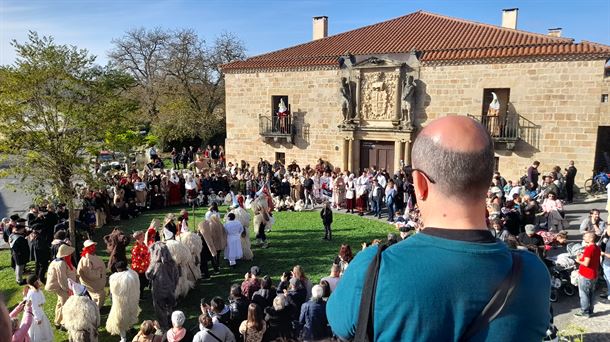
571 163
454 157
535 164
589 237
335 270
594 213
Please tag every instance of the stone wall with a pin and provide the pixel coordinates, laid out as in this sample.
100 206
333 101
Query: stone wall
563 98
314 100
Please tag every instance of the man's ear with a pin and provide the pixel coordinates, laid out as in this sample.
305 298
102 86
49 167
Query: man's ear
421 185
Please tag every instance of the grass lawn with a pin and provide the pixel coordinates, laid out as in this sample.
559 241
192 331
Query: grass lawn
295 239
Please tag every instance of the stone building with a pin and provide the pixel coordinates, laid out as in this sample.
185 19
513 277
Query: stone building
359 98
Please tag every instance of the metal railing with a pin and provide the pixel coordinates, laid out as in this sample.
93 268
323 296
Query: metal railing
510 128
275 125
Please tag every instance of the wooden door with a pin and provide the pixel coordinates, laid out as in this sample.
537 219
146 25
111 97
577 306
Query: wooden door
377 153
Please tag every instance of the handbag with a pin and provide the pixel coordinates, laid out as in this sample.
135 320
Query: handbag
365 323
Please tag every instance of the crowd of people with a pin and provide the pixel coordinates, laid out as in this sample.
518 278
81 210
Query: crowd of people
170 257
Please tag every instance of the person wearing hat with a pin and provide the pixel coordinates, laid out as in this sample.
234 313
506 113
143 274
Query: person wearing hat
7 225
20 250
531 240
92 273
40 250
60 270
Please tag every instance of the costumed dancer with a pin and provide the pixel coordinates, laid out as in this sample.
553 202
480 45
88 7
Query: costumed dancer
208 250
84 317
261 219
175 198
170 225
20 250
190 185
92 273
152 233
60 270
234 229
163 275
125 292
194 244
116 244
362 184
140 259
141 193
40 330
219 236
182 257
243 217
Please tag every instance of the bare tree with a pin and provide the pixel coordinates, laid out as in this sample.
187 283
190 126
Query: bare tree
181 78
141 54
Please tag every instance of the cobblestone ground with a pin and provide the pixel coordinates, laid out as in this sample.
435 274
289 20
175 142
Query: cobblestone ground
596 328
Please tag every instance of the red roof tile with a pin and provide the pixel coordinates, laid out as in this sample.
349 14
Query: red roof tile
440 38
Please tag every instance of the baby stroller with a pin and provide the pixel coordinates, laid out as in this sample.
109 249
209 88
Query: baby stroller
560 269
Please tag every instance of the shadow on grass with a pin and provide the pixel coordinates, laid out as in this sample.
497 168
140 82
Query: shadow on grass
295 239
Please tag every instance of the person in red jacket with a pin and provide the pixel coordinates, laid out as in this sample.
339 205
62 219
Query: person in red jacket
589 265
140 259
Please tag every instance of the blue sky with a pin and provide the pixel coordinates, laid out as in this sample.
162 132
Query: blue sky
270 25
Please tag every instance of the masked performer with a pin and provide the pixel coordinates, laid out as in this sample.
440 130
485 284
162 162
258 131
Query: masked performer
163 275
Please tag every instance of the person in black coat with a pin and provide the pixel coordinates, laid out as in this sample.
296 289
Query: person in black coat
238 305
279 320
40 251
265 295
327 219
20 250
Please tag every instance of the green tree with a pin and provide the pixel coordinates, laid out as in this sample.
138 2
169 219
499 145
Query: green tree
56 108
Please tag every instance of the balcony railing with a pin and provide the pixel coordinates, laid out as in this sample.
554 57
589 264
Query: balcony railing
276 127
508 129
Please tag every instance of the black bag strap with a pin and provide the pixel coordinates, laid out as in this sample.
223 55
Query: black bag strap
364 326
498 300
214 336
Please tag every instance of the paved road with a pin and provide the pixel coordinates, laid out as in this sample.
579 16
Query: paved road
596 328
12 200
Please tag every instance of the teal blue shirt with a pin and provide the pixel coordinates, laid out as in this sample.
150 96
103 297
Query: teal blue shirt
431 288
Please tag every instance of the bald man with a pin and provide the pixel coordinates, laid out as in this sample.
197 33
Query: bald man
433 285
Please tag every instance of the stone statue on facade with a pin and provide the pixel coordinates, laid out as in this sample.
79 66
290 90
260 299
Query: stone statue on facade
408 100
347 100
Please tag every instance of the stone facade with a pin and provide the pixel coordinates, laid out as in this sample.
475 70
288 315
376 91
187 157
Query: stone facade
314 100
561 97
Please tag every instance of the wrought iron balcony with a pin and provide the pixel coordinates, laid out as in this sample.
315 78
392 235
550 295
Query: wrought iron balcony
507 129
277 128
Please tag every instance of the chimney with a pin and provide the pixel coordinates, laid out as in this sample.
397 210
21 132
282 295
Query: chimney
320 27
509 17
555 32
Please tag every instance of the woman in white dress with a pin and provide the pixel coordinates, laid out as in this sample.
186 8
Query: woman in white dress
40 330
234 230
